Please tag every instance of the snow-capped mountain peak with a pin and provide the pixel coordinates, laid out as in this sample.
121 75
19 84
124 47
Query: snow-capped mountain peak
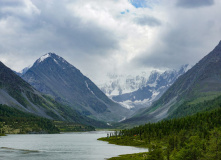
42 58
50 55
53 58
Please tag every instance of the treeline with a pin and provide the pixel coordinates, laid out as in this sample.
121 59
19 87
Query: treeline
13 121
16 121
188 138
72 127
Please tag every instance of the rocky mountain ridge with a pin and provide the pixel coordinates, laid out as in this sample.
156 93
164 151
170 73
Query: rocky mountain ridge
16 93
53 75
147 88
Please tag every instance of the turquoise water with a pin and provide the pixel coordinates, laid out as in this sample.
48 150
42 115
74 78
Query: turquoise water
67 146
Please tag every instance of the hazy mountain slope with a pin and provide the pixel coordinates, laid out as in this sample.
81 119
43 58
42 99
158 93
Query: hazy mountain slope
17 93
53 75
201 82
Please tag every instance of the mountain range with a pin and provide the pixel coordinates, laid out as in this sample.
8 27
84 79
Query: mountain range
54 76
141 90
155 85
55 89
199 84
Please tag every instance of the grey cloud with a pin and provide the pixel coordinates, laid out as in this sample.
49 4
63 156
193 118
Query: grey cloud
182 42
59 31
84 44
89 39
148 20
194 3
18 10
163 57
185 36
7 6
11 3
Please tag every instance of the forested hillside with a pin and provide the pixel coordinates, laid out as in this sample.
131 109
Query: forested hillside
188 138
16 121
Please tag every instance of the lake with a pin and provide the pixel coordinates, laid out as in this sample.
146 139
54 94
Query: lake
67 146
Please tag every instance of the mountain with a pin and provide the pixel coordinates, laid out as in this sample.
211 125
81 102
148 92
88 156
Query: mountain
121 84
53 75
201 83
155 86
17 93
23 71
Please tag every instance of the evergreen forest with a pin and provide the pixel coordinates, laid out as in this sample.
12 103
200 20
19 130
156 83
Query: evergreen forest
195 137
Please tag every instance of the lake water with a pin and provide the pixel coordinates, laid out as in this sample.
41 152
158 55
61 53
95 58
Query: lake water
67 146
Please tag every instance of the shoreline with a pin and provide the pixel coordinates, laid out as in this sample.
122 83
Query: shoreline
108 152
133 156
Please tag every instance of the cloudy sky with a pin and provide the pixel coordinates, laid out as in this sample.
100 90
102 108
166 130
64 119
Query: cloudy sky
109 36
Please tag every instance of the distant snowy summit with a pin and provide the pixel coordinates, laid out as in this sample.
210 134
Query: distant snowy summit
121 84
141 90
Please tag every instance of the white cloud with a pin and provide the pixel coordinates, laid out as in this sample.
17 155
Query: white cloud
97 38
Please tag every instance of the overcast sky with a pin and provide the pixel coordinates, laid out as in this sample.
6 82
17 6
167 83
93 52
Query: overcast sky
109 36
